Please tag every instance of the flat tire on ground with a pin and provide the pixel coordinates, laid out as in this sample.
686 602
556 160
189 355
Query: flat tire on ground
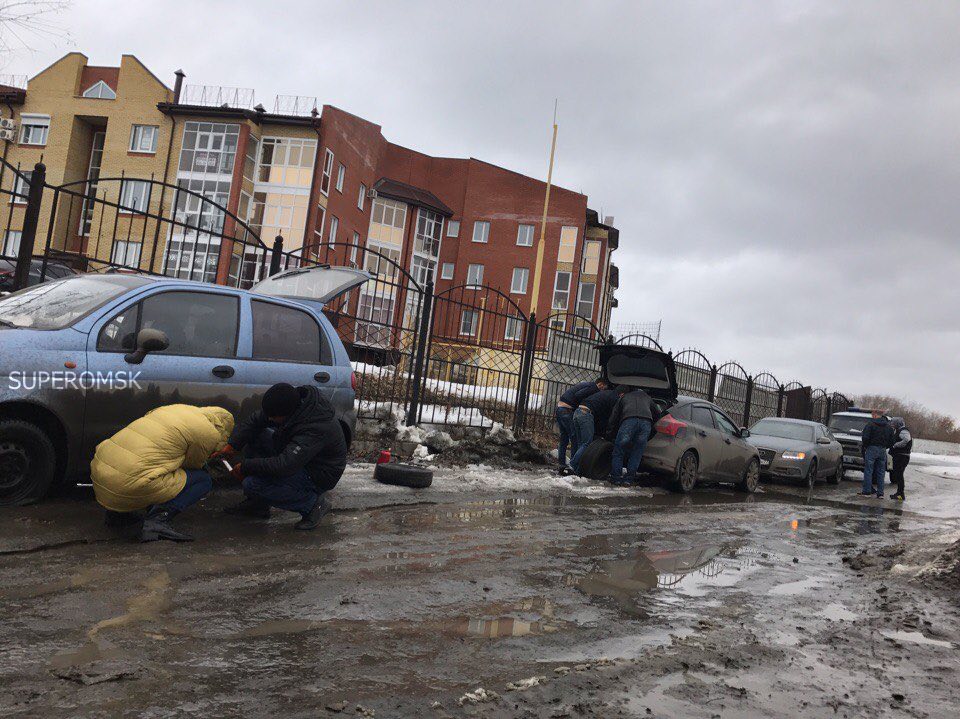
403 475
837 476
595 460
28 463
750 479
685 474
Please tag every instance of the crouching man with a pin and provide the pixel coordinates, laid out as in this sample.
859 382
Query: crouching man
155 463
295 454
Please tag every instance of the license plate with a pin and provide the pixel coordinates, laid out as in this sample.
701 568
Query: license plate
764 462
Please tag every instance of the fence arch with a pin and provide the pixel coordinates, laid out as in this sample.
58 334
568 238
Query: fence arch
819 401
765 397
695 374
645 341
731 390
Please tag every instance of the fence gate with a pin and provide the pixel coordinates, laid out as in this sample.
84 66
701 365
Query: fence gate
764 397
695 375
731 392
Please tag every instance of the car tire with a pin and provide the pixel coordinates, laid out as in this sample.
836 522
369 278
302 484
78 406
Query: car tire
751 476
837 476
28 463
811 479
685 474
595 460
403 475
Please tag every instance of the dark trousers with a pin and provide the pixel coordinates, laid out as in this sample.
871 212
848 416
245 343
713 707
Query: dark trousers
295 493
564 417
900 462
197 487
631 442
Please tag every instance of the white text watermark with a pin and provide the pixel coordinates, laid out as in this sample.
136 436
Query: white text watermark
74 380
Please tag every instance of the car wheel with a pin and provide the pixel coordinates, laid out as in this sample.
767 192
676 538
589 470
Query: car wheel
685 475
751 476
811 479
837 476
28 462
403 475
595 460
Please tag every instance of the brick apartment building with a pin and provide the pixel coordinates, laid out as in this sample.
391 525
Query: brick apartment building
317 176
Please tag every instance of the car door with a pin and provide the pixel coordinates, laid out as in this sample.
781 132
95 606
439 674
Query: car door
706 440
736 451
198 367
833 452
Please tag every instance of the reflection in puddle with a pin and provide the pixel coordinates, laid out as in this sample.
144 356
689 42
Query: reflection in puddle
916 638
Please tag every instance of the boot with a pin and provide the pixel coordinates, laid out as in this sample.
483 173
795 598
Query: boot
250 507
313 517
156 525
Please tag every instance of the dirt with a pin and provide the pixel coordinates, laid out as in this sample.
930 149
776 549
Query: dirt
533 602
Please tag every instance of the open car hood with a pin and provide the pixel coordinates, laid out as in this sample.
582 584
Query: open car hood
649 369
319 284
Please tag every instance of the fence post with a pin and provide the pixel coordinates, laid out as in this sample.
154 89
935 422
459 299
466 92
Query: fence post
526 369
31 217
276 255
419 359
829 411
712 394
747 403
780 397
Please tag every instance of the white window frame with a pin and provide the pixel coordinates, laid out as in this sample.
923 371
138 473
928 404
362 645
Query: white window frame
447 269
29 124
469 329
137 135
126 253
361 197
332 230
355 248
580 300
453 228
566 291
327 172
99 86
21 188
516 324
523 274
128 200
341 176
573 244
484 227
11 243
473 270
529 235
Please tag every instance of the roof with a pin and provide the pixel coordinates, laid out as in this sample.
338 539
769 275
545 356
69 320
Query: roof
173 108
396 190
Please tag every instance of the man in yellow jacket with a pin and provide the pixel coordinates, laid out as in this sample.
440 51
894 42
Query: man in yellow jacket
156 463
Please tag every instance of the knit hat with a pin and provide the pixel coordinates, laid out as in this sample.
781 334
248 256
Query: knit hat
281 400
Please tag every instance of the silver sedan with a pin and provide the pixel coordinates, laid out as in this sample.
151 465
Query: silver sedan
797 449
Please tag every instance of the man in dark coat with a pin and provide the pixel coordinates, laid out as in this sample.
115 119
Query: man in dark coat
296 453
900 453
568 403
631 426
877 437
591 414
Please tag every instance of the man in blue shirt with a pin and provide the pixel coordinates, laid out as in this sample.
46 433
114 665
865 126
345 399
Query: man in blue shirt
568 403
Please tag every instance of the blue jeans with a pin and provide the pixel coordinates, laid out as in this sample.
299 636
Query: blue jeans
296 493
197 487
633 431
583 430
874 469
564 417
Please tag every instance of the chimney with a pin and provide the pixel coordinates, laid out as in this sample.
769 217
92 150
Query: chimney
177 86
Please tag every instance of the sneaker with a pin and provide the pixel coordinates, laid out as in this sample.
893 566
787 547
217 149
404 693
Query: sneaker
879 496
313 517
563 470
249 508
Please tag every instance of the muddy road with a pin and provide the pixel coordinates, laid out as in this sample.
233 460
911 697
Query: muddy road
492 594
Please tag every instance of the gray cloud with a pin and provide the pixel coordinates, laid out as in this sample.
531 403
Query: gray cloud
783 174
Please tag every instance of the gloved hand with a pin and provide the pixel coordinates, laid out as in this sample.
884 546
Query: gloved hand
237 472
227 452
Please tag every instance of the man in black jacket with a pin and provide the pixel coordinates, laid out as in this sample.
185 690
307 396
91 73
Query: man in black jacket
568 403
296 452
631 425
592 413
876 438
900 452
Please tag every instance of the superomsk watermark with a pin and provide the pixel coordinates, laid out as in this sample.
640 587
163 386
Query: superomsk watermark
110 380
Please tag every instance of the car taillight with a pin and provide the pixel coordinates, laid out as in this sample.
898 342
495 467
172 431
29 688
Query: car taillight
670 426
353 381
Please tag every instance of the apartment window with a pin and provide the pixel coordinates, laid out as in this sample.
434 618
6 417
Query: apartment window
475 274
521 276
356 246
561 291
100 91
341 175
568 244
446 271
468 322
361 196
525 236
34 129
582 332
591 257
143 138
209 148
250 160
125 253
11 243
334 226
21 188
426 240
387 220
585 299
453 228
327 171
513 329
481 231
279 213
287 161
134 196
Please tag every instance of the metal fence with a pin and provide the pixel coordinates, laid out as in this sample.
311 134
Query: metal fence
468 355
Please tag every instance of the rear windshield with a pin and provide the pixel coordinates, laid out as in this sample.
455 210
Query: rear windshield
648 371
849 423
55 305
784 430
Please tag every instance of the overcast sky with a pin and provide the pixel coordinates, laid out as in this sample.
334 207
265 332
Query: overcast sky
784 175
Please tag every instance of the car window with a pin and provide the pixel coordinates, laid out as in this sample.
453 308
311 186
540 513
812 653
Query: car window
725 425
701 414
680 411
198 324
120 333
285 333
55 305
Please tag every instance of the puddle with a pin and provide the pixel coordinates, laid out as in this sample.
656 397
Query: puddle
625 647
916 638
838 613
86 654
791 589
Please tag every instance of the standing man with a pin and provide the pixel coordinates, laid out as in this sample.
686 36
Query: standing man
296 453
592 412
900 452
877 438
631 423
569 401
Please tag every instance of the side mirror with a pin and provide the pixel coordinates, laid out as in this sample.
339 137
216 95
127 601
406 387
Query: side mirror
744 432
823 440
147 341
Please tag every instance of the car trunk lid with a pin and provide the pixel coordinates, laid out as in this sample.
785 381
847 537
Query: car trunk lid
652 370
318 284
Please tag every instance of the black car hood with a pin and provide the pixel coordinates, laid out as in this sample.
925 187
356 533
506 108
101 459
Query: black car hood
634 366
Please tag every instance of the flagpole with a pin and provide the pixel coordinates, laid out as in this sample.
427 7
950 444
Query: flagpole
538 267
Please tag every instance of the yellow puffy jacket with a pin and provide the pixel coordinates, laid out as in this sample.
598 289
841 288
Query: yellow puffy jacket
144 462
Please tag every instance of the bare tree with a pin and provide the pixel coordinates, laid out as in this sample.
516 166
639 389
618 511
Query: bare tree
23 22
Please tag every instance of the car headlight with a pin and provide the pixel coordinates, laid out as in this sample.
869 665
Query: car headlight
794 455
